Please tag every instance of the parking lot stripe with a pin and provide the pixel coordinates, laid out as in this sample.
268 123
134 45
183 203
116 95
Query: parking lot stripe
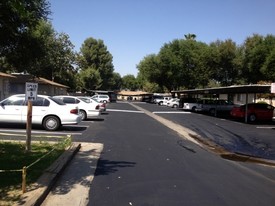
168 112
119 110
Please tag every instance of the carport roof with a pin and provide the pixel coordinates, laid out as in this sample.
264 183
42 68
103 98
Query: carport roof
235 89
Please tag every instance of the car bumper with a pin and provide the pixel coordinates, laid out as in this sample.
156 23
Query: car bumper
93 114
76 120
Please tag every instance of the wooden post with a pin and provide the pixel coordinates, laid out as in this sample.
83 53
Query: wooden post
24 174
29 126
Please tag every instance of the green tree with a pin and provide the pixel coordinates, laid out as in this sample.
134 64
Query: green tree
268 67
149 71
254 58
226 68
17 19
94 54
190 36
54 58
89 79
129 82
184 64
116 81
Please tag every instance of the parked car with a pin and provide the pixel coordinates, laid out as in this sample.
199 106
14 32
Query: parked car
86 110
101 98
191 104
102 106
46 111
162 100
155 98
174 103
186 100
255 112
212 106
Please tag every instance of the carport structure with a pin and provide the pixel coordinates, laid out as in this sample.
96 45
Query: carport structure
230 90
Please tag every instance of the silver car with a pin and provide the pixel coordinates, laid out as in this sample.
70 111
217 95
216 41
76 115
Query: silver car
46 111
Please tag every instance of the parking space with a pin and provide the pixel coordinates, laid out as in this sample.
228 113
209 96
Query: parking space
255 139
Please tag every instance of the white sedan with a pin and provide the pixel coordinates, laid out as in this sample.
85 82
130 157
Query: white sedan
46 111
102 105
86 110
174 103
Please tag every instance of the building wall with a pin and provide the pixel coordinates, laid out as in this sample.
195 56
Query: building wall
4 88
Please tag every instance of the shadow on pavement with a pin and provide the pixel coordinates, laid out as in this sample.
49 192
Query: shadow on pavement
105 167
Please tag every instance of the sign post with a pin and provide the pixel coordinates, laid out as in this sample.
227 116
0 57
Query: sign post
31 94
273 88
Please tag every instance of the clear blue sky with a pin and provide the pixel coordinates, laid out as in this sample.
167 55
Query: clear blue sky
133 29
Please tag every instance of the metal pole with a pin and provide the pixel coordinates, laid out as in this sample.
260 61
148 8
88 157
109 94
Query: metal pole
246 107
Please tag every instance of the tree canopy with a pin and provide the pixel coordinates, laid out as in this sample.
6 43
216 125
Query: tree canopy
187 63
17 19
29 43
95 57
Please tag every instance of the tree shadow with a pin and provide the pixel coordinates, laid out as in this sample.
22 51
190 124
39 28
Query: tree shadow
105 167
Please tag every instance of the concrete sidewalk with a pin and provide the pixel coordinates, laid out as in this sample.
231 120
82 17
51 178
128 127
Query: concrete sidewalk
77 166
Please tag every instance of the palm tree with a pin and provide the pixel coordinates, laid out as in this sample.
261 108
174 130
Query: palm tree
190 36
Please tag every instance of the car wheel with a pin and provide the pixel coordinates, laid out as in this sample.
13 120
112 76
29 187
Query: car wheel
175 106
51 123
193 109
83 114
104 101
252 118
160 103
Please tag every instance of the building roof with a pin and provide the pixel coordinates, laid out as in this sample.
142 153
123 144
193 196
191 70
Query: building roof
6 75
132 93
235 89
22 78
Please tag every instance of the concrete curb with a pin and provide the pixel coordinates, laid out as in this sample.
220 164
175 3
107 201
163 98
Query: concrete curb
39 191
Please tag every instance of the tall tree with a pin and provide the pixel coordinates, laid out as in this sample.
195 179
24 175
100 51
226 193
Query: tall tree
190 36
227 69
149 71
94 54
254 58
53 59
268 67
17 19
184 64
116 81
129 82
89 79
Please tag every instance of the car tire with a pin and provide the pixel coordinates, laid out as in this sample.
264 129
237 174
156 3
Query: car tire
193 109
252 118
104 101
175 106
83 114
160 103
51 123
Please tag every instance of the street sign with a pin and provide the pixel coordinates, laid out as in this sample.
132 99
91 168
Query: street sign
31 91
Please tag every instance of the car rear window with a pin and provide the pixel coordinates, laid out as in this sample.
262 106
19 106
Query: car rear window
16 101
57 101
40 101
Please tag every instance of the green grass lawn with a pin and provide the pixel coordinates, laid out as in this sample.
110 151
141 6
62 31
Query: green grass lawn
13 156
